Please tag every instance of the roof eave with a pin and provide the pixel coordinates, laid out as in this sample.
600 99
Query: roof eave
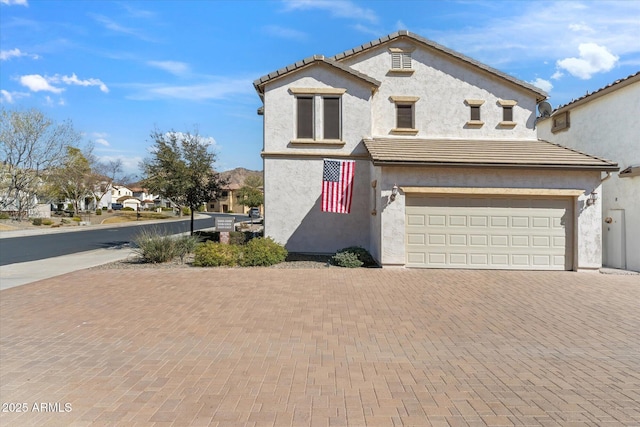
380 162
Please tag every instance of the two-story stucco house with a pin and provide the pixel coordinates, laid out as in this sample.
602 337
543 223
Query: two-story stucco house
449 172
606 123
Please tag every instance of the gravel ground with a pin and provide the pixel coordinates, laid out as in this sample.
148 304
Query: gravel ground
293 261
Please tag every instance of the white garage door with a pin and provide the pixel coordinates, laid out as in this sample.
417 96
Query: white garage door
517 233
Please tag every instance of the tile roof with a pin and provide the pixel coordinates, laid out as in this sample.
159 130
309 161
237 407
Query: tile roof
484 153
618 84
312 60
541 95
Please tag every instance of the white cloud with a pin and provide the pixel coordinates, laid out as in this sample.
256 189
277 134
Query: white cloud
581 27
73 80
543 84
11 97
173 67
130 164
37 83
18 2
102 141
14 53
593 59
337 8
112 25
285 33
557 75
217 88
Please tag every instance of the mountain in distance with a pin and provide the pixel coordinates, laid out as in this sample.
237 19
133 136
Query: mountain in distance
237 176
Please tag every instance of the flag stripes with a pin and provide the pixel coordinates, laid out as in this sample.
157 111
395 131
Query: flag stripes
337 185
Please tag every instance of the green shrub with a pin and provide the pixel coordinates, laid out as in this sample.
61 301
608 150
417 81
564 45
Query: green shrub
128 208
361 254
47 221
212 254
99 212
37 221
262 252
186 211
237 238
154 247
346 259
4 215
64 221
70 207
104 208
76 219
185 245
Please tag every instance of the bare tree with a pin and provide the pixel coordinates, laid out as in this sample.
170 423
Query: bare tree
30 144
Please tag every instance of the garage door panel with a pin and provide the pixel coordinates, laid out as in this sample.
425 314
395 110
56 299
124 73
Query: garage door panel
494 233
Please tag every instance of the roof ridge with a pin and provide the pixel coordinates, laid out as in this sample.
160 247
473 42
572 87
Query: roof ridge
579 152
587 95
405 33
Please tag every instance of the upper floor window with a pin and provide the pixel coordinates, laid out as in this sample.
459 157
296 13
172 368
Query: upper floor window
405 115
318 115
560 122
475 119
401 60
507 112
331 110
305 117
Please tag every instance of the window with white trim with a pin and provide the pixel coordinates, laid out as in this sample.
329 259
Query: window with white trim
405 115
318 115
401 60
331 113
507 112
305 117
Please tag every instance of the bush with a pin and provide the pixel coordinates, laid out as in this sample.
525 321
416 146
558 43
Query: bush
99 212
262 252
212 254
154 247
104 208
64 221
47 222
185 245
186 211
128 208
76 219
346 259
4 215
37 221
353 257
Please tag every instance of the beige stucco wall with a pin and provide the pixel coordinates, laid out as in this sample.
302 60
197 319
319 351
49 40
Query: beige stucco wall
293 216
608 127
442 84
587 254
280 111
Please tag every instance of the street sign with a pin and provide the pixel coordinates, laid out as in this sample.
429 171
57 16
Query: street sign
225 223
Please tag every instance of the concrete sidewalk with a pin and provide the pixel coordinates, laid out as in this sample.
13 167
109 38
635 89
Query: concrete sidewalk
13 275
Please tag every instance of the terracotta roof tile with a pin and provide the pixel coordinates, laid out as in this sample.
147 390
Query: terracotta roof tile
485 153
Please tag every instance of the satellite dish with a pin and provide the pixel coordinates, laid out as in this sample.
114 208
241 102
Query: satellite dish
545 109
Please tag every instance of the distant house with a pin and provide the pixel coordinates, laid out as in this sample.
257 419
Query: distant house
606 123
449 171
228 202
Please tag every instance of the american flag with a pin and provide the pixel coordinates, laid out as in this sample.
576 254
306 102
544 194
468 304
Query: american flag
337 185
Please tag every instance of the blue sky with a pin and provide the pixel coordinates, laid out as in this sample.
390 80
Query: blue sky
120 69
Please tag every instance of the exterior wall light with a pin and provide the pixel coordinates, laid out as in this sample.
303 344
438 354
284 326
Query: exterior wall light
592 198
394 193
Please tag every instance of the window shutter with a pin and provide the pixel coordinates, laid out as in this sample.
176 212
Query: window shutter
405 116
507 114
331 118
305 117
396 60
475 112
406 60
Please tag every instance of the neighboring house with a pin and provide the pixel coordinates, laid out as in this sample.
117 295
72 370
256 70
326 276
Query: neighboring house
229 201
147 200
606 123
449 172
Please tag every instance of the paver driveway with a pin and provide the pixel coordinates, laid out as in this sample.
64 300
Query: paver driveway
322 347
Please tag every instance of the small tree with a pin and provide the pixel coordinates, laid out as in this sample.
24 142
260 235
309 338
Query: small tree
250 194
30 145
72 180
181 169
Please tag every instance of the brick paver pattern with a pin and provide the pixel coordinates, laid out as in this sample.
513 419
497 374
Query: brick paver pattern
326 347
